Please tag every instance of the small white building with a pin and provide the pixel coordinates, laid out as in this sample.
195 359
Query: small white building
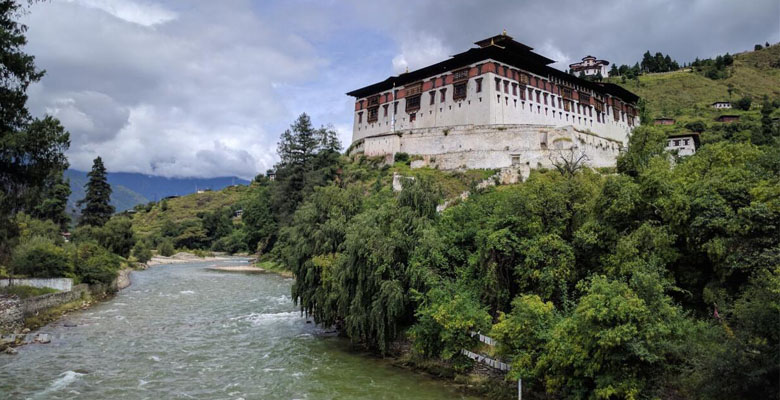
590 66
721 104
683 144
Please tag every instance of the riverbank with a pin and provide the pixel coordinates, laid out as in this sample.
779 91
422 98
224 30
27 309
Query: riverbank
185 257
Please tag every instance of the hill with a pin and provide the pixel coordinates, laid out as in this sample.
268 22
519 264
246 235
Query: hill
687 95
131 189
180 210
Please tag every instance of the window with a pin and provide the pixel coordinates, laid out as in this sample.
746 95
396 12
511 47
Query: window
460 75
506 87
433 97
443 95
360 117
685 141
412 117
459 91
412 103
385 112
545 99
395 108
677 142
373 101
373 114
537 97
479 84
514 89
498 85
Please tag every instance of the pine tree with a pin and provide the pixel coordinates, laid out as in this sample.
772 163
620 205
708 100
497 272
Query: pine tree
98 209
614 70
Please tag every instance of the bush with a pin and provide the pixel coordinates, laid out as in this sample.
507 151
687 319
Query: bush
117 236
744 103
233 243
166 248
402 158
40 258
95 264
141 252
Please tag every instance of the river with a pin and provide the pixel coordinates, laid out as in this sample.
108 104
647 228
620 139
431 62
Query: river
184 332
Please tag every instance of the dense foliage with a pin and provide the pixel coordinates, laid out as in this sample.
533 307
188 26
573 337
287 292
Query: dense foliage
31 149
660 279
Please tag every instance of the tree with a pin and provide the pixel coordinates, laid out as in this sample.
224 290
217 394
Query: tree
744 103
757 47
54 202
98 209
40 258
308 158
614 70
141 252
30 149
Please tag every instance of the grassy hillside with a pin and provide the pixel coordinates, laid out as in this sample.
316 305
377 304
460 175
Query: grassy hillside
185 208
687 95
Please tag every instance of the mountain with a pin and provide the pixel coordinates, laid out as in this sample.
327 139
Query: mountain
122 198
131 189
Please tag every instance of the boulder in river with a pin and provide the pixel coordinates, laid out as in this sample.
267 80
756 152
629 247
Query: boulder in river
42 338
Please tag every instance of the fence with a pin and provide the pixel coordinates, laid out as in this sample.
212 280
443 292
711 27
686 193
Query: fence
62 284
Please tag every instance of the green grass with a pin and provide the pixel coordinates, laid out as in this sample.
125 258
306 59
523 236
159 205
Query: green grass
687 95
275 267
25 292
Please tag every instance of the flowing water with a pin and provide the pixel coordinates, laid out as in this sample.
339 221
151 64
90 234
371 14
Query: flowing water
184 332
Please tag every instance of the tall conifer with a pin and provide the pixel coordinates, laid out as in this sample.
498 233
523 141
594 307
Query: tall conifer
98 209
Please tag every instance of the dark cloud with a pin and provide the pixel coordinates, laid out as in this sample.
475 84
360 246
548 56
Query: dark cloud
203 88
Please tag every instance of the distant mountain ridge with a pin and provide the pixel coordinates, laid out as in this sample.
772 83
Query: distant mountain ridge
130 189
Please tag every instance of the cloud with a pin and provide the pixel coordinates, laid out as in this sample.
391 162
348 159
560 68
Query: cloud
131 11
204 88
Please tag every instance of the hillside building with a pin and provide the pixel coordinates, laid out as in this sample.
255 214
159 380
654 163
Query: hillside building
727 118
590 66
683 144
663 121
495 105
721 105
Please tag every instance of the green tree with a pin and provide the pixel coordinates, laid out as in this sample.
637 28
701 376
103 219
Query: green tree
141 252
166 248
30 149
308 158
117 236
97 210
40 258
744 103
54 202
259 223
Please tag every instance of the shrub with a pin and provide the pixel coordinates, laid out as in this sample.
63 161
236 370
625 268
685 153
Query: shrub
233 243
117 236
94 264
141 252
166 248
744 103
40 258
402 158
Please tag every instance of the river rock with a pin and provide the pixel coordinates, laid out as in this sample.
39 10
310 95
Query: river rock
42 338
69 325
9 350
26 330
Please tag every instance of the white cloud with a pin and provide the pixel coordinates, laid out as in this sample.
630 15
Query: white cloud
146 14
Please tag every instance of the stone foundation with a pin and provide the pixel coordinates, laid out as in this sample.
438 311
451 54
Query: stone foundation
523 147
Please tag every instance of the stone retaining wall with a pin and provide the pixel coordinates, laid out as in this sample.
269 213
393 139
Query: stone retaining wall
63 284
32 305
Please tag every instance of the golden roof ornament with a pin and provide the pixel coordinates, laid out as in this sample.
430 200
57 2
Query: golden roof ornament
504 33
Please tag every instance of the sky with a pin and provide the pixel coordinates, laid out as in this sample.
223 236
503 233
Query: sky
202 88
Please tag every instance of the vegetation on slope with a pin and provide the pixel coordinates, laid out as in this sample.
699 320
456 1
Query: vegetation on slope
688 95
